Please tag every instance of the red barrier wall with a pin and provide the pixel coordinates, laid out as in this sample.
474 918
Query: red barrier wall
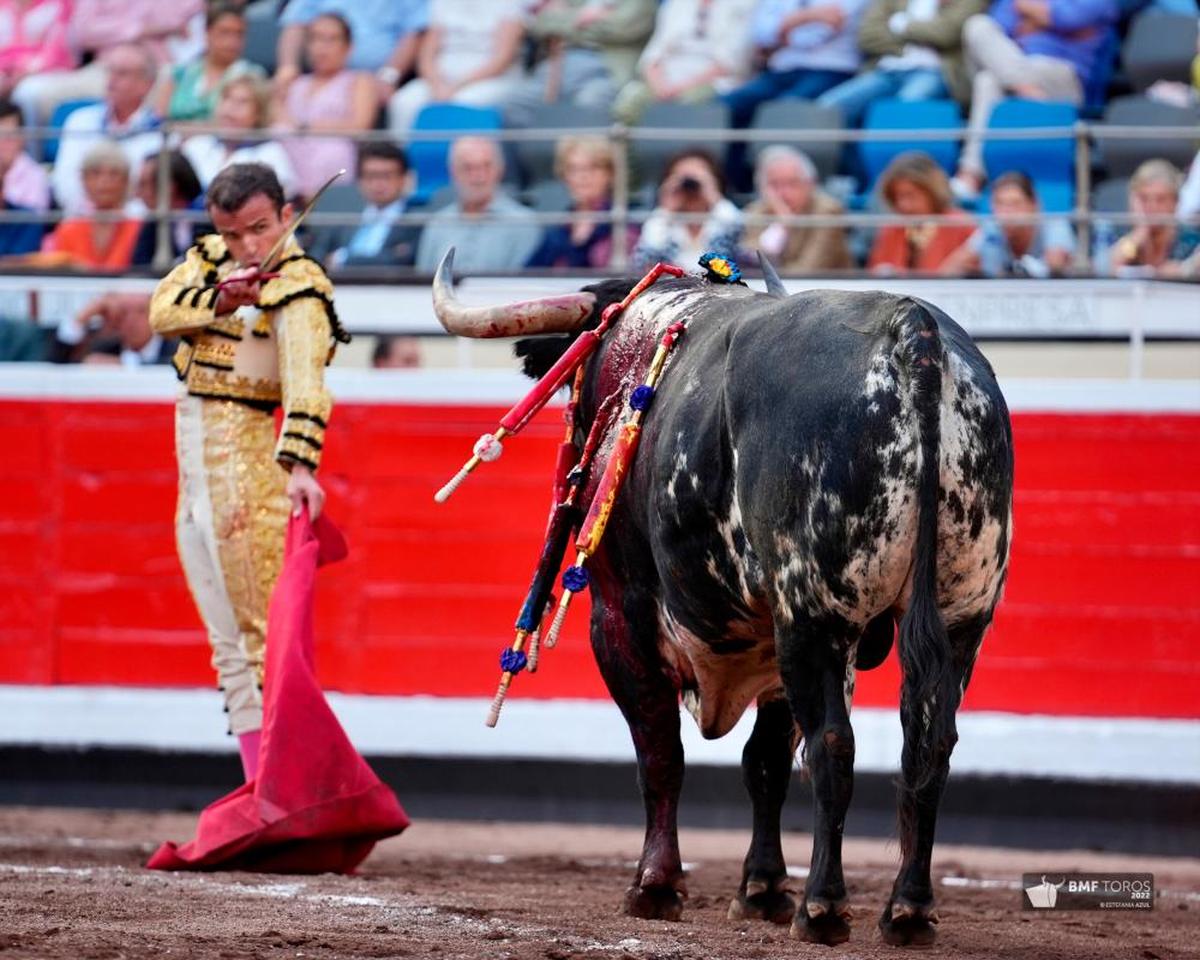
1101 616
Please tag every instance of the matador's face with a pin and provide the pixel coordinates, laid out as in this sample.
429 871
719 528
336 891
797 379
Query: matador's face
252 230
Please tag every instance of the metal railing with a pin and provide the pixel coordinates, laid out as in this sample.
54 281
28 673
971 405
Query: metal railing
624 141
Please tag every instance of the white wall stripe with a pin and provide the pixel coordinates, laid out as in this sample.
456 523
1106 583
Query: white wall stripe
1085 748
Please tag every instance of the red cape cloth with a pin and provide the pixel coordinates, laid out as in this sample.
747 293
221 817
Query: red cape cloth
315 806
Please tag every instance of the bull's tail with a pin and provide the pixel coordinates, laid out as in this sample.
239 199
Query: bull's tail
929 696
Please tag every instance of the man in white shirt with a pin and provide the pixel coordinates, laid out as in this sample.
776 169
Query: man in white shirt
504 240
124 116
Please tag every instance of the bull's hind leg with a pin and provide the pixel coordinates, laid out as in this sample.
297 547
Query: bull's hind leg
813 660
625 641
910 914
766 769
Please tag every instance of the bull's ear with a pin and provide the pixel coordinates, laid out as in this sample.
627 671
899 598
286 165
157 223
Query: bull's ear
775 287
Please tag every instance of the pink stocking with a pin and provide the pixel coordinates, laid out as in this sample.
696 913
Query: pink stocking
248 743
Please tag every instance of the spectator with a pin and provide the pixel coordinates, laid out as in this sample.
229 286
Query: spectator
469 55
692 184
787 186
914 185
915 51
123 116
112 328
396 353
589 52
476 169
331 99
98 28
191 90
386 35
33 40
184 190
21 340
244 104
1036 49
378 240
25 186
808 49
25 182
699 48
105 238
1159 249
1010 246
585 165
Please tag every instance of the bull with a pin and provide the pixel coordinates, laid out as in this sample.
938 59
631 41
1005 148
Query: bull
817 471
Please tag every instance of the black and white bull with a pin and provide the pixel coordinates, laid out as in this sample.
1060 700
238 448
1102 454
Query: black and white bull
815 469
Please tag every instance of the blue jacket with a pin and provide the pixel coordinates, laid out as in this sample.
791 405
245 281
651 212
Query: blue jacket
16 238
1081 32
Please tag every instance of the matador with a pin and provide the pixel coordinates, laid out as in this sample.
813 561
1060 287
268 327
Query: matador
254 336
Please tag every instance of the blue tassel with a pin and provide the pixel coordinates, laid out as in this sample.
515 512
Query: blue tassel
641 398
512 661
575 579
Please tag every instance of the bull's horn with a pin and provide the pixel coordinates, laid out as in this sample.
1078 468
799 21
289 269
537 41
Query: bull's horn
775 286
561 314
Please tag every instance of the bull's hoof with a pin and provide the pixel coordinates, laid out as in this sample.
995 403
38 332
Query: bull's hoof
654 903
763 900
908 924
823 921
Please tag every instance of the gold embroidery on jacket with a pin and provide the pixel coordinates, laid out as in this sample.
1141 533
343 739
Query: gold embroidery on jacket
250 510
204 382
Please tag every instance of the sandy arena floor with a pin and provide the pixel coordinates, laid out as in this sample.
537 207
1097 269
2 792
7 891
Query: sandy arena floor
72 887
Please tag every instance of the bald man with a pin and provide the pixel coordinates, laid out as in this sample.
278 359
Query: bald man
488 229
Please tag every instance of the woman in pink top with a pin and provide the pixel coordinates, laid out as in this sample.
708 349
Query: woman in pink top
33 39
331 99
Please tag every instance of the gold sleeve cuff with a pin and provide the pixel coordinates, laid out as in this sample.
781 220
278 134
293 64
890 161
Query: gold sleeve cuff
302 438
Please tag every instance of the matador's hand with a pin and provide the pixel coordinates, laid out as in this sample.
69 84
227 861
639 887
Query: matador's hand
304 491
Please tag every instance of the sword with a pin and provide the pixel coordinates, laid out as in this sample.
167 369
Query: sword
278 245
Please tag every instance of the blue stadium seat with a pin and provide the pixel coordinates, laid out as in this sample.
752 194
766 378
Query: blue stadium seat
909 115
794 114
428 158
57 119
262 34
1160 46
649 157
535 158
1049 162
1111 196
1122 157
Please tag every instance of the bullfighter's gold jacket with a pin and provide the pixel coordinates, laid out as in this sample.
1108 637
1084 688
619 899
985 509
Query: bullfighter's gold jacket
262 356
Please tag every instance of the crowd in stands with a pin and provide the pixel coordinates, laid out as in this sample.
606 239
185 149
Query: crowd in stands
150 93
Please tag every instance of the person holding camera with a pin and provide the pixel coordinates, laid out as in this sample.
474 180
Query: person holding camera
693 215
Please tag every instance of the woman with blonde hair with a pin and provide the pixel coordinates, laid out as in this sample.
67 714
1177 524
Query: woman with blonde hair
1159 248
241 117
585 165
105 238
914 185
